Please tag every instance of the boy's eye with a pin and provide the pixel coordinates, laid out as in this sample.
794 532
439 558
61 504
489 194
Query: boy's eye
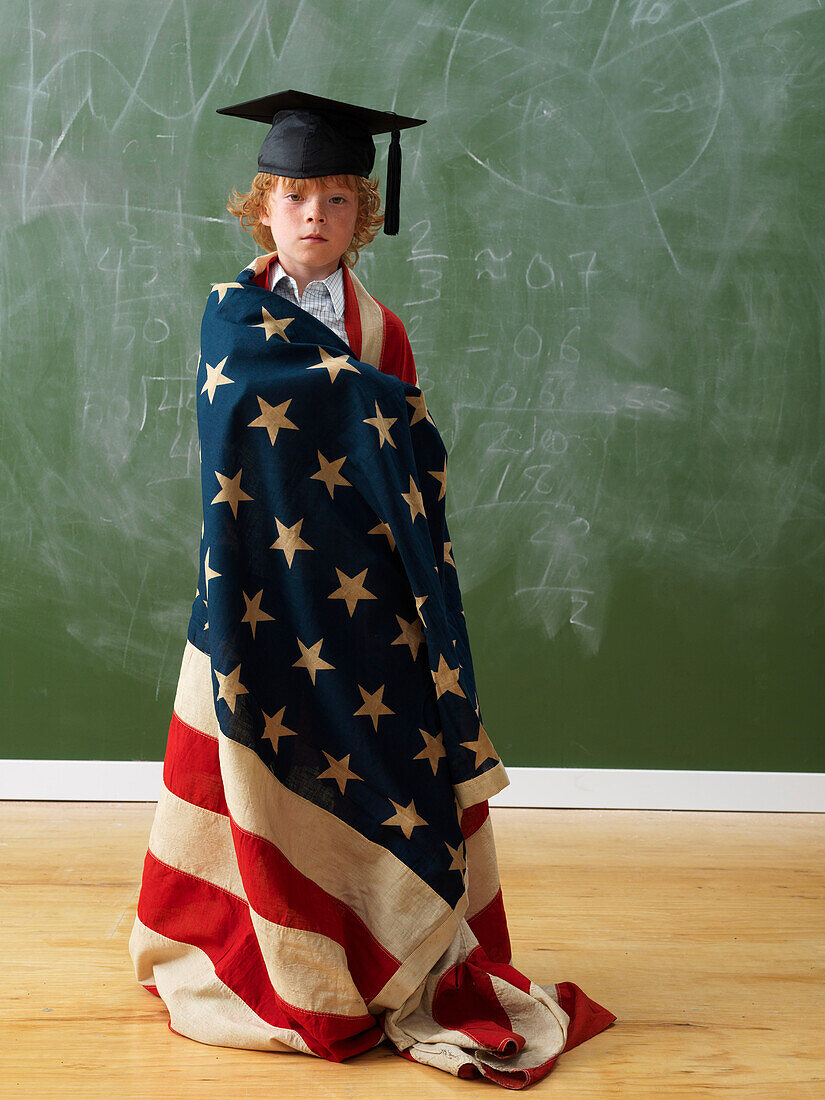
338 199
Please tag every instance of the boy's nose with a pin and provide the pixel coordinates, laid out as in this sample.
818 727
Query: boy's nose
315 212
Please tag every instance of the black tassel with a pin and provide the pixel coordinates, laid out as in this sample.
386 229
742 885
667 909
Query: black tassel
391 206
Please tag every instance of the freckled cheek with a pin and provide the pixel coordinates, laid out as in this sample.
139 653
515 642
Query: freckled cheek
290 223
346 223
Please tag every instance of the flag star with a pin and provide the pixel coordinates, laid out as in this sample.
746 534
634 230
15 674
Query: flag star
406 817
274 326
254 615
333 363
382 424
275 728
223 287
482 747
215 378
231 492
411 635
311 659
351 589
383 529
440 476
330 473
338 770
209 573
446 679
420 406
273 418
459 863
448 554
373 706
230 687
415 501
289 540
433 749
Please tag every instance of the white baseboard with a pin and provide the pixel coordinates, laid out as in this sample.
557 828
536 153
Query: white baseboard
561 788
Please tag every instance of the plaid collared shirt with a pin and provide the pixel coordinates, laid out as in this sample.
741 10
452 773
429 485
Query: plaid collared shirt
323 299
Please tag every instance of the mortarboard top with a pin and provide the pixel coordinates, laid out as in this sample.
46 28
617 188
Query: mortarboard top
313 136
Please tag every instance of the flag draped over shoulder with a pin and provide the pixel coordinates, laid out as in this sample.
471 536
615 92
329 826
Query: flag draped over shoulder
321 873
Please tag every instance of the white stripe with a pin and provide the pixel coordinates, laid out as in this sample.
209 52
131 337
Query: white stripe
402 912
200 1006
197 842
483 882
194 702
372 323
307 969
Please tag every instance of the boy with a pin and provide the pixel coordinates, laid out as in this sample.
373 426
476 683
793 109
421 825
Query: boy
321 873
313 227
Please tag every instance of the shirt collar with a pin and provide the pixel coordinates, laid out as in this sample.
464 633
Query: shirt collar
334 284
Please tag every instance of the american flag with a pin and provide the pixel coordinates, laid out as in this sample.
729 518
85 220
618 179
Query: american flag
321 873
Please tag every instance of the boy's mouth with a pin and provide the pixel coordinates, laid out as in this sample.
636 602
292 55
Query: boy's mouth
313 237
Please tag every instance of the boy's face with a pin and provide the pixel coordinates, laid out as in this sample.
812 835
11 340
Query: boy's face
312 228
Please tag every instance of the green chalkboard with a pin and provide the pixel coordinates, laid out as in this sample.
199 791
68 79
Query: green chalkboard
611 270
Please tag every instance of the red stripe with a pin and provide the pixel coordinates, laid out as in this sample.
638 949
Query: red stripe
466 1001
262 278
504 970
520 1078
474 817
274 887
489 926
191 768
279 892
587 1017
187 909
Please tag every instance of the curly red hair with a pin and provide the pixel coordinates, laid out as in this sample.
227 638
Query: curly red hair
248 206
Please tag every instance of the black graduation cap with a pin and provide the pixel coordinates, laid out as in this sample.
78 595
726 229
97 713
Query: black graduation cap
313 136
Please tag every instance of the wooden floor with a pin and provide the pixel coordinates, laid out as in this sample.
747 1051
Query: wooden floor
703 932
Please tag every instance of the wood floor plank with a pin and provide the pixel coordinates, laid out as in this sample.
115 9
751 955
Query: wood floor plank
703 932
